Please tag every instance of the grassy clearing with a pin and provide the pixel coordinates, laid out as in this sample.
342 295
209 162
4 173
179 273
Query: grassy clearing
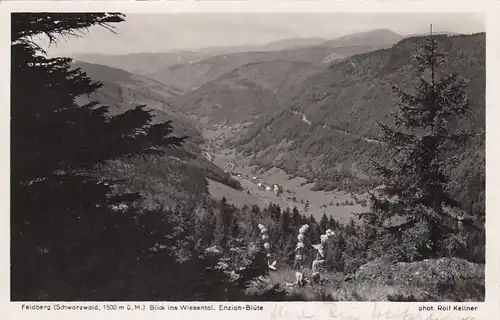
297 191
238 198
319 201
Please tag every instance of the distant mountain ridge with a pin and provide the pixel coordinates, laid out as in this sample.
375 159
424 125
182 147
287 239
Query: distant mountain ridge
165 66
189 77
142 63
291 43
376 37
145 63
240 87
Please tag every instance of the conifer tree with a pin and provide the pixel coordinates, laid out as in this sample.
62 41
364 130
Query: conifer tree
289 251
332 223
73 237
315 231
340 248
296 218
234 227
350 229
323 223
223 224
205 227
275 212
59 210
415 184
284 230
285 223
256 212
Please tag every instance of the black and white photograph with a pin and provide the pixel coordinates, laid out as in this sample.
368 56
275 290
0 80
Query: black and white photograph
247 156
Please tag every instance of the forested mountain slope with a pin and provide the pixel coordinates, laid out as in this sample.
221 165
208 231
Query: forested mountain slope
242 86
247 92
187 167
123 90
327 129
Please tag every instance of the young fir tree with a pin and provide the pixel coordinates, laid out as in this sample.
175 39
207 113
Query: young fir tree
283 230
284 223
332 223
340 248
296 218
205 227
224 224
256 212
351 228
235 231
323 223
314 230
415 185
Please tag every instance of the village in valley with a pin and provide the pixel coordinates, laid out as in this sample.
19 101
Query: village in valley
263 186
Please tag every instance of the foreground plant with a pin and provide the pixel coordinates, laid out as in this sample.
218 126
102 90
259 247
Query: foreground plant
267 247
320 256
300 250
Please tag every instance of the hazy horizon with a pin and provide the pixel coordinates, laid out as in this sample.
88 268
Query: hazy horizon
194 31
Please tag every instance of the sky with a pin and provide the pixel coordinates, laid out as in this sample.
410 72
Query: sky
174 31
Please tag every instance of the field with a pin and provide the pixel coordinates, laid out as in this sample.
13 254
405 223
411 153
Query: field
218 190
296 191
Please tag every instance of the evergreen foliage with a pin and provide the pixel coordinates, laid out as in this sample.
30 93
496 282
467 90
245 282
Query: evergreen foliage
77 234
415 185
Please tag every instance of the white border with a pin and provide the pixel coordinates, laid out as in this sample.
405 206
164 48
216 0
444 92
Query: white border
307 310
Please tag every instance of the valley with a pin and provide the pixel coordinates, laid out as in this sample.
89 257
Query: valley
323 129
303 117
263 187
